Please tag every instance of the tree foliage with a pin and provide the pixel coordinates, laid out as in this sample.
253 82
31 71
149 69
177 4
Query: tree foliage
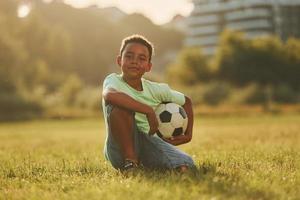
292 60
266 61
190 67
57 48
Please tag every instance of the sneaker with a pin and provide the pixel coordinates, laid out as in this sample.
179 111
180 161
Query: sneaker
129 165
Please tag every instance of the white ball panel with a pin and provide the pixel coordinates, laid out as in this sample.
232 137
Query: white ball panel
172 107
160 108
166 129
177 120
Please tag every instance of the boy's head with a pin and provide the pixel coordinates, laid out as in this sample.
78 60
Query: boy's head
140 40
135 57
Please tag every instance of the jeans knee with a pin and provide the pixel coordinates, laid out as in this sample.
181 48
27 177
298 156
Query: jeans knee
187 160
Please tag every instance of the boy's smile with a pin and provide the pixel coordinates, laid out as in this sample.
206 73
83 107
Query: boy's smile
134 61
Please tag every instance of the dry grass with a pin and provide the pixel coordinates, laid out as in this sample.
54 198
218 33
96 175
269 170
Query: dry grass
237 158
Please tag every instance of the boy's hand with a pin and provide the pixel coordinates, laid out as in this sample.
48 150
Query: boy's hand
180 139
152 120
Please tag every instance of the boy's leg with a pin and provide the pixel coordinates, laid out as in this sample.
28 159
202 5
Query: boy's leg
158 154
121 143
121 126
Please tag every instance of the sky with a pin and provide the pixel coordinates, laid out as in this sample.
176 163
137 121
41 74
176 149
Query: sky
159 11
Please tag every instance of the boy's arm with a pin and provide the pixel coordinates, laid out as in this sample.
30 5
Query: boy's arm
120 99
187 137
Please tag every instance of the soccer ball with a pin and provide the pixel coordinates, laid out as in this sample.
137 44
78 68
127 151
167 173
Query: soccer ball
172 120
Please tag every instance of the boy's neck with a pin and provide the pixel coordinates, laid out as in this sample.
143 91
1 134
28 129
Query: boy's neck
134 83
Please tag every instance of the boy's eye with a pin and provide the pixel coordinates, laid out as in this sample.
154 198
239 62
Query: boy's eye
142 58
128 56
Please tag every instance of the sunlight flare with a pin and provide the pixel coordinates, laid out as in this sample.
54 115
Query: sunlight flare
23 10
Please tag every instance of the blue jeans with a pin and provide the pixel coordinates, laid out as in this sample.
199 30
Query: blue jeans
151 151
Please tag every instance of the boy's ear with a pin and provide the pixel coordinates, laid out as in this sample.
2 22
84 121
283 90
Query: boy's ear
118 60
148 69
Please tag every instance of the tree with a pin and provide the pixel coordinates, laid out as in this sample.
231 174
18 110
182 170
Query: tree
292 69
190 67
260 60
55 40
12 54
71 88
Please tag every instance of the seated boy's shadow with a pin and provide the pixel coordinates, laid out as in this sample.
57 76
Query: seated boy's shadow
215 181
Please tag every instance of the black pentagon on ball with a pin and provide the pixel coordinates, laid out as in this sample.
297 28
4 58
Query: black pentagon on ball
182 112
165 116
178 131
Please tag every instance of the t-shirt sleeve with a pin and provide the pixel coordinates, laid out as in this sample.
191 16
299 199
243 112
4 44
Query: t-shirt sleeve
111 82
169 95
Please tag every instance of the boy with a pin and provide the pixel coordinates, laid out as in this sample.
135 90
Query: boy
128 106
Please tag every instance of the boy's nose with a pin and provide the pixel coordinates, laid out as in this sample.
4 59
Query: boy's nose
134 60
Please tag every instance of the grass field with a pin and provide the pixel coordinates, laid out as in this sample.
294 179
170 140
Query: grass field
236 157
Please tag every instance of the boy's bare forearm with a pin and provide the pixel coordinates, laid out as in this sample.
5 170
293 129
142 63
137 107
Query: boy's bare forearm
190 114
123 100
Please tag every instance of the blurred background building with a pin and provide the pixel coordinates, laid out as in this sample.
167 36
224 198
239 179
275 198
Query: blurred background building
254 17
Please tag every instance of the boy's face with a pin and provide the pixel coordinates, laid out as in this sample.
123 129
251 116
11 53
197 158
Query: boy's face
134 61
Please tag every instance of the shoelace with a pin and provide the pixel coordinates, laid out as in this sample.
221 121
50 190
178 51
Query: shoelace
129 164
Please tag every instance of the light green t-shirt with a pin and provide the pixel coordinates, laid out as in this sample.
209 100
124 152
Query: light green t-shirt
153 94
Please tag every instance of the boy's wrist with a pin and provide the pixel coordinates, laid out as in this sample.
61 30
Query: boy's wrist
148 110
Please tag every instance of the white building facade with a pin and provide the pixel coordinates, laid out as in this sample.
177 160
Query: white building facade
254 17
